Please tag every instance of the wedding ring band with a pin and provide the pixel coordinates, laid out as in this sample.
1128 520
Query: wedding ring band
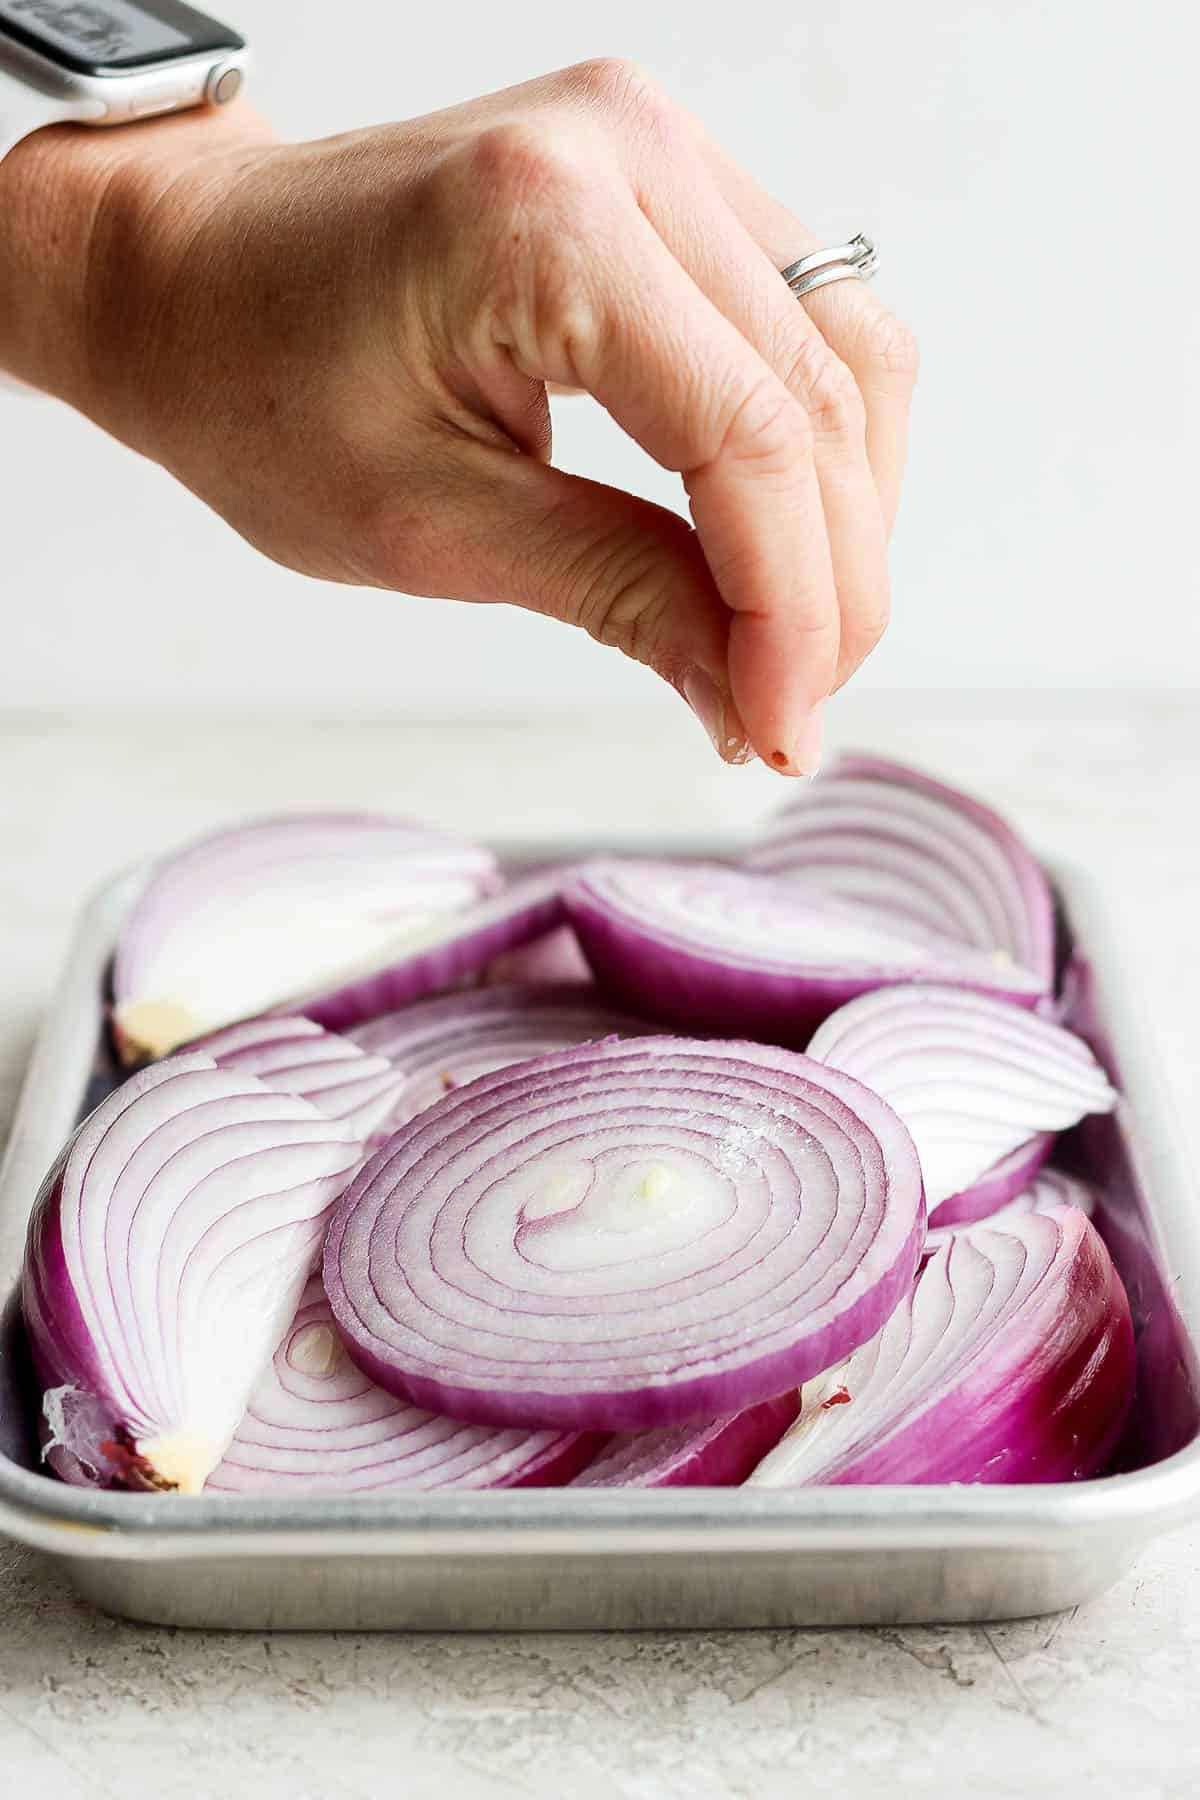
856 261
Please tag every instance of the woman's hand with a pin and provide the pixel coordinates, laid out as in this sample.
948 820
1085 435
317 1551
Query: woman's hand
344 348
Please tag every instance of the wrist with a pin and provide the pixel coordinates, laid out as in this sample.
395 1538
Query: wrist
85 239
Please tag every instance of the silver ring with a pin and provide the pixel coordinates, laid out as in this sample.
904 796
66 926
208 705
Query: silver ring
856 261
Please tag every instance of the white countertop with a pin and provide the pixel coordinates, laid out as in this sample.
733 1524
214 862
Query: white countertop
1101 1701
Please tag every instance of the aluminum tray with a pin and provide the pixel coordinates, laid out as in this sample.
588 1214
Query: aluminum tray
678 1558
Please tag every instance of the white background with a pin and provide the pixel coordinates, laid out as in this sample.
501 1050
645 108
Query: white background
1021 166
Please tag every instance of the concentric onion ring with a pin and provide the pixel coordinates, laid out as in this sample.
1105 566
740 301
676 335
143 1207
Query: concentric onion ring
445 1043
626 1235
316 1425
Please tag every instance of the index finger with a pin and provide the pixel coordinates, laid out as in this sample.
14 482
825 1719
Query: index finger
638 334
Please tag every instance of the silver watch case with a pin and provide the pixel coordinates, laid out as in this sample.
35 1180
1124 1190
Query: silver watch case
173 85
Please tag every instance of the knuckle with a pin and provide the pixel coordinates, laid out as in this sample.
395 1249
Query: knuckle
523 164
767 427
617 84
830 392
623 598
892 348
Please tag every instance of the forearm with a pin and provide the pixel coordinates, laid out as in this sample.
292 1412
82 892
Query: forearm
78 218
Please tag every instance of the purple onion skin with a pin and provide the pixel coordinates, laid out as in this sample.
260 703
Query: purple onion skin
1002 1183
561 1467
1056 1414
426 972
702 993
52 1322
720 1454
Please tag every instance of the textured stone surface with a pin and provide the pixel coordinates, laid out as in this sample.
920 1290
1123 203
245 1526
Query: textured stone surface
1101 1702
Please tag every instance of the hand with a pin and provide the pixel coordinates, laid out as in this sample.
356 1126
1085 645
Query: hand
344 348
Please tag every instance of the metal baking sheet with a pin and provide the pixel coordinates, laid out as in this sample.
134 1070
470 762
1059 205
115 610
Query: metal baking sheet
679 1558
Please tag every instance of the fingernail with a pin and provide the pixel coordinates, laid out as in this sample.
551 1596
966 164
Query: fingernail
718 715
804 757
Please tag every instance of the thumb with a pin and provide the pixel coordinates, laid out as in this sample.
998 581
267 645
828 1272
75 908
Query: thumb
629 573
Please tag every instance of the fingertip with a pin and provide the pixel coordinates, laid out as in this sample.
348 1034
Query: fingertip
714 706
803 755
780 687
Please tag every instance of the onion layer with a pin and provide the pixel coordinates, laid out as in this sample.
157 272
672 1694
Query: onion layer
316 1425
445 1043
626 1235
242 920
715 949
870 829
1050 1187
973 1079
1007 1178
1013 1361
718 1453
167 1251
448 953
298 1056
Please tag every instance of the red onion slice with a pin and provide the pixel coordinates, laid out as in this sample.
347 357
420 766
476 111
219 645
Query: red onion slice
316 1425
870 829
298 1056
972 1078
167 1251
716 949
626 1235
1051 1187
718 1453
234 923
445 1043
448 953
1013 1361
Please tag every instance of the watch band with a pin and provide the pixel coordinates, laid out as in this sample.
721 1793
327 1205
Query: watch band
25 106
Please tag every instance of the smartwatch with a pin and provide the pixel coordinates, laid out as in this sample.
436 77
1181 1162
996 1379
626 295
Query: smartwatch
109 62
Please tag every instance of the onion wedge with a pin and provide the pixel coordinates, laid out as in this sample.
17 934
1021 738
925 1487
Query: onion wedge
974 1080
711 948
166 1254
871 829
1013 1362
238 922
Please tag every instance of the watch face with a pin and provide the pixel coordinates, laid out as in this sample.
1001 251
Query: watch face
110 37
